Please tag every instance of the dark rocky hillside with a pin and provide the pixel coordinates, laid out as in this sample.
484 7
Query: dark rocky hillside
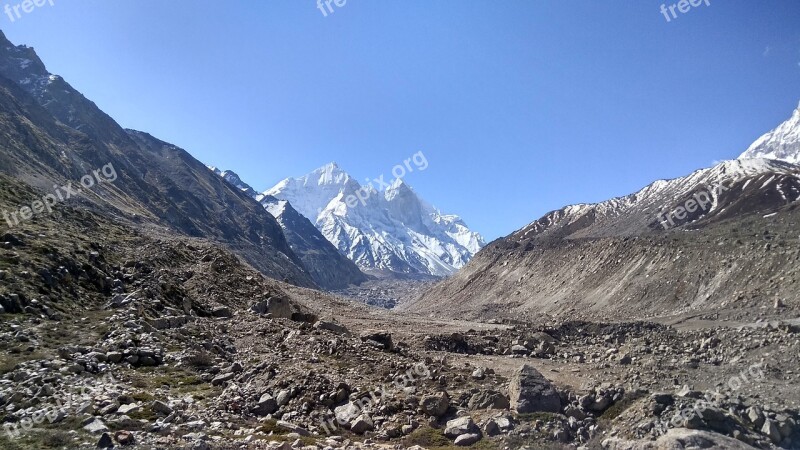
52 134
330 269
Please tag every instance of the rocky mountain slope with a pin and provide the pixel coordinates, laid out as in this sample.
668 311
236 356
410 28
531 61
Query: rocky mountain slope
51 134
391 231
328 268
723 237
782 143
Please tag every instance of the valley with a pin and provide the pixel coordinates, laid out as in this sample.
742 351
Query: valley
176 306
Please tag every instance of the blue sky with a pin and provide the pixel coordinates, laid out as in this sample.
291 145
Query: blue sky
520 106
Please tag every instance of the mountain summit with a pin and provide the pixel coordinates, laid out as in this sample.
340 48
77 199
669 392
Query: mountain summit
392 230
782 143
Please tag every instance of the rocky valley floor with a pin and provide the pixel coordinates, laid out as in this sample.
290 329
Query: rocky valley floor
117 337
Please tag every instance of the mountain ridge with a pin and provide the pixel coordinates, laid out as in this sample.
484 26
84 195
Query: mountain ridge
712 239
54 134
392 231
327 266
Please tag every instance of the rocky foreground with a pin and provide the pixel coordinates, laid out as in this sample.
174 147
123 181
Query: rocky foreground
112 338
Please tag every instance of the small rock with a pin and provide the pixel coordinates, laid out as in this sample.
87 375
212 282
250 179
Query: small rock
105 441
160 407
362 424
772 431
128 409
95 426
124 438
465 440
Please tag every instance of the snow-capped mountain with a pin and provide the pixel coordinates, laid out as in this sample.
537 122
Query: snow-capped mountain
728 189
232 178
328 267
393 230
716 237
782 143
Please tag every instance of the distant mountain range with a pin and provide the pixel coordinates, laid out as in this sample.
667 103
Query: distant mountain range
717 237
393 231
329 268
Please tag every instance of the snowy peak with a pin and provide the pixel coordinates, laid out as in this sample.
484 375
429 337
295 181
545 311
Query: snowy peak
782 143
392 231
234 179
328 267
330 174
313 193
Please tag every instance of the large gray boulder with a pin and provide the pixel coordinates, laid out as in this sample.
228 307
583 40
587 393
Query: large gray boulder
435 405
679 438
531 392
279 308
460 426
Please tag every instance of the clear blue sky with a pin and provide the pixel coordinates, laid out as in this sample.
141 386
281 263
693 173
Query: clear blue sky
521 106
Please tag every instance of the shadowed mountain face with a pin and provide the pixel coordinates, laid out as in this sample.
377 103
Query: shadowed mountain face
327 267
51 134
715 239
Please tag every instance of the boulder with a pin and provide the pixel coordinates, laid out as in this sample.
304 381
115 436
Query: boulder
435 405
531 392
283 397
488 400
105 441
266 405
279 308
465 440
124 437
347 413
379 339
519 350
362 424
679 438
330 326
460 426
159 407
771 430
95 426
222 312
491 428
293 428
